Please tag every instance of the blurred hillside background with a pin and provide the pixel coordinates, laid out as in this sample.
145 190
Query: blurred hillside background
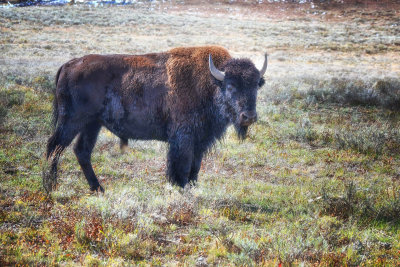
264 3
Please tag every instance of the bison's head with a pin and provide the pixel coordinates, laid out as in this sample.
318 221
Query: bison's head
239 83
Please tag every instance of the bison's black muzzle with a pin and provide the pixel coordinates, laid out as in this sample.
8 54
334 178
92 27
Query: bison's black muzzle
247 118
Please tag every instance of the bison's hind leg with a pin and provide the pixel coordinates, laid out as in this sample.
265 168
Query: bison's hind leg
83 150
123 143
61 138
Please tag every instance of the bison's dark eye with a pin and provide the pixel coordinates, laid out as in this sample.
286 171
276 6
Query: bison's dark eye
230 88
261 82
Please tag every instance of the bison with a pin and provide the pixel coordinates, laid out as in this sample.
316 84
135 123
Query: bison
187 97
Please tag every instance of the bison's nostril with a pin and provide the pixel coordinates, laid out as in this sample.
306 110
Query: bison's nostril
246 118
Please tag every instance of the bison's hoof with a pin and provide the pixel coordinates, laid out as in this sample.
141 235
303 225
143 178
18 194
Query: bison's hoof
49 181
98 189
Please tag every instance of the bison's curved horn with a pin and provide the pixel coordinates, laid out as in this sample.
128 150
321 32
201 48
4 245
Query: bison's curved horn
264 67
219 75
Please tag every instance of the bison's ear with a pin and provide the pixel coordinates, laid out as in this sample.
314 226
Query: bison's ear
261 82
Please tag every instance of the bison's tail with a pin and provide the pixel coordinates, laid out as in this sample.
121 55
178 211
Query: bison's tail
55 104
55 112
54 139
54 143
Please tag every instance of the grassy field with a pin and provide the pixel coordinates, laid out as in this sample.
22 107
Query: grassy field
317 181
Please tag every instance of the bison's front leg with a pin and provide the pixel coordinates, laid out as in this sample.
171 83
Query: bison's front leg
180 156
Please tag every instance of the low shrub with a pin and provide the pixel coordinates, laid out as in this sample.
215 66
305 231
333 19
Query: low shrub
10 97
43 83
305 132
369 139
369 203
380 92
374 92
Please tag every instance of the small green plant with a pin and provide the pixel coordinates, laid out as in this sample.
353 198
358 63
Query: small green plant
11 97
43 83
3 114
341 206
305 132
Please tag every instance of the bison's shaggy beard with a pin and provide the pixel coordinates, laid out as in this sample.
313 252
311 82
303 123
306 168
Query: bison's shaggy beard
241 131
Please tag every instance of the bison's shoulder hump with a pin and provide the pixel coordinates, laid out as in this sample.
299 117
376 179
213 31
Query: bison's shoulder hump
189 79
199 55
188 66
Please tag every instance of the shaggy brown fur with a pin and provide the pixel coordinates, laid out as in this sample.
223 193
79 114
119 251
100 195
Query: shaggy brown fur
189 78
